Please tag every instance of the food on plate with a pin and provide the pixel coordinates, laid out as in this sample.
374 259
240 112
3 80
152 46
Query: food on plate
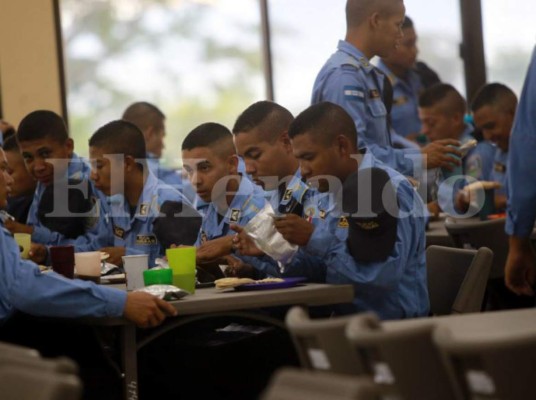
227 283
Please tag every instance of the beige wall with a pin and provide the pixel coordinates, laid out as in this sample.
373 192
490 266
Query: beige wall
29 68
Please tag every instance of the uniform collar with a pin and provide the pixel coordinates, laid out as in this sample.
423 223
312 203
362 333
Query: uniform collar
351 50
145 207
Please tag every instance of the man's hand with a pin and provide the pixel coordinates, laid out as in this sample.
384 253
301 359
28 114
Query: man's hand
38 253
214 249
520 270
436 154
17 227
116 254
146 310
294 229
244 244
238 269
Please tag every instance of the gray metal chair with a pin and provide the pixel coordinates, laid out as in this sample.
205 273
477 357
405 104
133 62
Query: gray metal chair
8 349
402 360
62 365
472 234
321 344
457 279
21 383
295 384
487 366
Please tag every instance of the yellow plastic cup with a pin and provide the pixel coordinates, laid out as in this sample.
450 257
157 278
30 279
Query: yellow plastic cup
24 240
181 260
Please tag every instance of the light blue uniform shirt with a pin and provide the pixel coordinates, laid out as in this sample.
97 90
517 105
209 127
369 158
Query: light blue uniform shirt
297 193
477 164
246 203
23 287
99 226
135 233
405 111
395 288
349 80
522 161
499 171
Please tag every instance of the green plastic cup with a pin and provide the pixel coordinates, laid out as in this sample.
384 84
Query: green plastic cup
182 259
158 277
185 282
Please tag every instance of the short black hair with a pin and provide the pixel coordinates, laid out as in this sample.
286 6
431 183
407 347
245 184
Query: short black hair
495 94
120 137
446 94
143 115
210 134
325 120
42 124
11 144
272 117
357 11
408 23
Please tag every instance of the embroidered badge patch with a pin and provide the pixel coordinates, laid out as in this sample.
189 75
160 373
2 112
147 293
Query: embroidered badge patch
146 239
343 222
235 215
119 232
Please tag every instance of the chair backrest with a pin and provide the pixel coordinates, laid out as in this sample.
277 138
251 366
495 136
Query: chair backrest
491 366
20 383
62 365
293 384
10 350
321 344
457 279
476 234
403 358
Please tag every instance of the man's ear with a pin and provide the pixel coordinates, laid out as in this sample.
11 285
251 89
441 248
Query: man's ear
344 146
374 20
69 145
285 141
232 164
129 163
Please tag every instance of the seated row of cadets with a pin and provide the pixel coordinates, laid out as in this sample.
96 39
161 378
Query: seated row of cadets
395 282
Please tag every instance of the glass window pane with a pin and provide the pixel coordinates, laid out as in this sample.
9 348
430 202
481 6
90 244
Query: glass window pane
304 34
508 40
300 46
198 61
438 26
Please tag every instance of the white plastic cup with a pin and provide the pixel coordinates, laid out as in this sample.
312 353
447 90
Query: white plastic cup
134 266
88 265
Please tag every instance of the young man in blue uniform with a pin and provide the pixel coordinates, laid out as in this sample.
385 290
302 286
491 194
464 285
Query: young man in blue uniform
378 244
494 108
520 270
261 139
441 110
138 198
399 66
152 123
373 28
210 160
49 156
23 189
26 292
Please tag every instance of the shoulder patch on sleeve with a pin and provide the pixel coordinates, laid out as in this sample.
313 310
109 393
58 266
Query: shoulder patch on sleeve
353 93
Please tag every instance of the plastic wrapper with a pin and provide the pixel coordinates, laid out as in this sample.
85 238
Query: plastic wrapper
164 292
266 237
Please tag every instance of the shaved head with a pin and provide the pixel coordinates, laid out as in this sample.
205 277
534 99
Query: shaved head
358 11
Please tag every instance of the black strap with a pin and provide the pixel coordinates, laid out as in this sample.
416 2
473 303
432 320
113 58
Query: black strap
387 99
